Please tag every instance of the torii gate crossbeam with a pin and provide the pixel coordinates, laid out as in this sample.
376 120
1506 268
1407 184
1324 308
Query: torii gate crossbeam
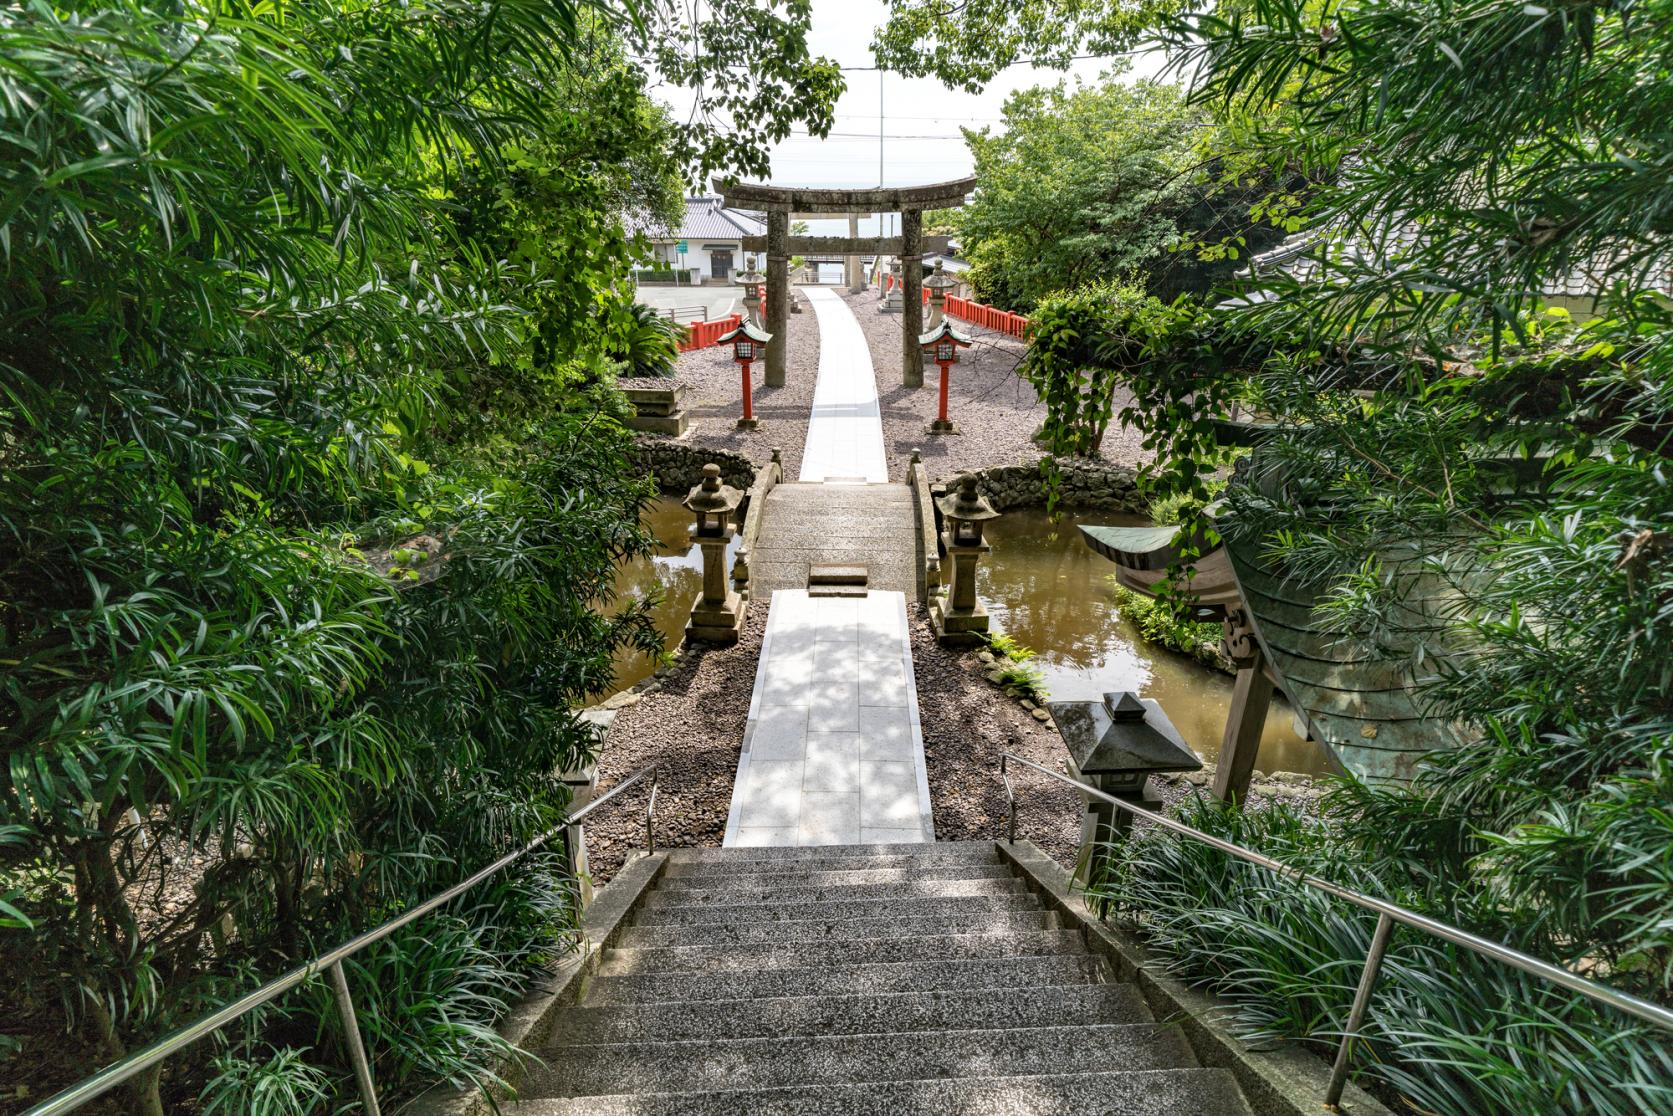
781 202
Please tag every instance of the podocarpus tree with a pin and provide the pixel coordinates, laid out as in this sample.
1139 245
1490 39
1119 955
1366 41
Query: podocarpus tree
297 600
1486 152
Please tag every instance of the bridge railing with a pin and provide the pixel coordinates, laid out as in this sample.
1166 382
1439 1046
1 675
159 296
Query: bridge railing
569 836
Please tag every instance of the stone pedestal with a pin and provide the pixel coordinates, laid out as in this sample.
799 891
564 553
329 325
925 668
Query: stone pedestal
892 302
658 410
720 621
718 615
959 619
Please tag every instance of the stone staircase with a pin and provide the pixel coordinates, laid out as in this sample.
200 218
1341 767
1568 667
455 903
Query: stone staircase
898 979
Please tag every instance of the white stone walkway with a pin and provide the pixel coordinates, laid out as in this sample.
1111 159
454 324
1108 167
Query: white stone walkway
832 753
845 432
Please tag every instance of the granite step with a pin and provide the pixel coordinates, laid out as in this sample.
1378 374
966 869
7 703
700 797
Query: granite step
939 852
901 925
901 891
767 1063
750 914
802 881
883 1013
1163 1092
725 957
812 861
849 980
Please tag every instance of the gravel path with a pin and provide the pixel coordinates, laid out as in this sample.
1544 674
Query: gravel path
996 411
693 724
967 723
714 404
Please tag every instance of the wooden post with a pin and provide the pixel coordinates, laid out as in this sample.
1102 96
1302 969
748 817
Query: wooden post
778 293
1251 696
912 289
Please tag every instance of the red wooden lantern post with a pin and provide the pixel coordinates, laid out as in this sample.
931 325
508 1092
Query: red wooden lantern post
941 344
749 343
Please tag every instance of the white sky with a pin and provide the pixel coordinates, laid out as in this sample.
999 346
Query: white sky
921 116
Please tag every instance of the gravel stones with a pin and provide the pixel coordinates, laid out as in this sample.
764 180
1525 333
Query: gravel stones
713 400
966 725
692 722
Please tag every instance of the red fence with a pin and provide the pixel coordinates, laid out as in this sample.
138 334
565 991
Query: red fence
986 316
1001 321
701 335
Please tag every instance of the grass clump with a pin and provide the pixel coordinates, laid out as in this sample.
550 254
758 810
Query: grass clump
1158 624
1011 671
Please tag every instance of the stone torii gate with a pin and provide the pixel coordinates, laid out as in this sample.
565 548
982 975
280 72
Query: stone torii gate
783 203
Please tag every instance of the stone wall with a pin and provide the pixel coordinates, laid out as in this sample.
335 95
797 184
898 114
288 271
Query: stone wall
679 465
1096 485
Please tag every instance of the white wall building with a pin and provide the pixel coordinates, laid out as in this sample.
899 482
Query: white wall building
708 245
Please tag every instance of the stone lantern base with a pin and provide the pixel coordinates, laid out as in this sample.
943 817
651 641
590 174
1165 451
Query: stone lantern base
958 627
717 623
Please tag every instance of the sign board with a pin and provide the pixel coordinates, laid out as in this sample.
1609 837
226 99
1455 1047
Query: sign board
681 247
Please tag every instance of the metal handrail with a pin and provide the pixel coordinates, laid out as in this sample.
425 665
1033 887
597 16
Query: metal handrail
116 1073
1387 914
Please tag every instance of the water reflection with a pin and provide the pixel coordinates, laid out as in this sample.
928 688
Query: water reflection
1049 591
676 567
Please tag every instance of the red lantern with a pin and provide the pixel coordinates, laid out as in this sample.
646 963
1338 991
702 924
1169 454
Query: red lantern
942 344
748 342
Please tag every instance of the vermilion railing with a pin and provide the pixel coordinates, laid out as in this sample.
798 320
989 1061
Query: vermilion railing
1002 321
702 335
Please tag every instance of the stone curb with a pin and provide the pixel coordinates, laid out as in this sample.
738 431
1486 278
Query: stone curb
1285 1082
529 1022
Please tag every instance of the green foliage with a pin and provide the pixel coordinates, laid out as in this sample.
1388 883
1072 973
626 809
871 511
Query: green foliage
1081 186
652 346
1074 365
284 1085
1452 1032
1011 663
1160 624
312 491
968 45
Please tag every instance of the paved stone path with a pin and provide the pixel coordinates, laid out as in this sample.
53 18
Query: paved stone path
845 434
832 754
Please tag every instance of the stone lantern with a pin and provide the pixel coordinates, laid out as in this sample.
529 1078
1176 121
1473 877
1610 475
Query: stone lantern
938 285
894 298
941 344
752 281
1115 745
959 619
749 344
718 615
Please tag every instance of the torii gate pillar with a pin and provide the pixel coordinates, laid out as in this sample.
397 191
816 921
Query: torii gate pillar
778 294
912 289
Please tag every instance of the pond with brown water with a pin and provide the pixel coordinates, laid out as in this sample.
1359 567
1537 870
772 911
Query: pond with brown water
1047 590
675 568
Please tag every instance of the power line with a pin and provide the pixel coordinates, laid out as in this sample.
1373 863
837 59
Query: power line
1042 63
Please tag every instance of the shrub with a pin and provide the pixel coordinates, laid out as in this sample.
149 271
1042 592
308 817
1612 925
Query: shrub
1453 1033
